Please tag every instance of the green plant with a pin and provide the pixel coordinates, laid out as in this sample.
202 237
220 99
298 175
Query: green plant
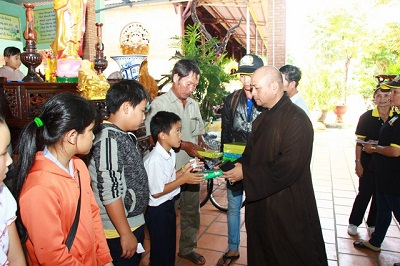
318 89
211 88
353 47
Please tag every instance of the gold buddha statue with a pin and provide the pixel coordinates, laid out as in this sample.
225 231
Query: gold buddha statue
70 19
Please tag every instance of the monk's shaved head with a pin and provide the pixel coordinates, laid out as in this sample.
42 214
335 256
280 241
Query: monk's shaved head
270 72
268 86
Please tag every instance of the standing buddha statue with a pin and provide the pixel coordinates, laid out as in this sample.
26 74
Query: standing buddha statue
67 46
70 19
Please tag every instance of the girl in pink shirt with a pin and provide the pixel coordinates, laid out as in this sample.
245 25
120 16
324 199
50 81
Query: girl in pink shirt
10 247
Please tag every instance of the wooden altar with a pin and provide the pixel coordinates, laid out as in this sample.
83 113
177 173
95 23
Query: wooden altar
21 102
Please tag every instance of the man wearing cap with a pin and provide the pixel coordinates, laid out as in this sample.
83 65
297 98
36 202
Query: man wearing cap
387 173
238 113
291 76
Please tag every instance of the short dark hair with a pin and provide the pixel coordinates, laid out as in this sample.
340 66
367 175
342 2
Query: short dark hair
10 51
162 122
292 73
128 90
183 68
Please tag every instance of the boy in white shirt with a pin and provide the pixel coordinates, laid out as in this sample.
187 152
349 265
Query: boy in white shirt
13 61
164 185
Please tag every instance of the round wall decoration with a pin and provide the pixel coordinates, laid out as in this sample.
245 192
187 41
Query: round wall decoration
135 39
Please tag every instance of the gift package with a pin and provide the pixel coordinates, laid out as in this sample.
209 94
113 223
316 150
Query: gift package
233 151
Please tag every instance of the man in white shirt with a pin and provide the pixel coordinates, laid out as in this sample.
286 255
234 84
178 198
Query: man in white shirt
291 77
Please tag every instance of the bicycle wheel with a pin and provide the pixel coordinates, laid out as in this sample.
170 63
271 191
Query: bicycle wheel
205 191
219 197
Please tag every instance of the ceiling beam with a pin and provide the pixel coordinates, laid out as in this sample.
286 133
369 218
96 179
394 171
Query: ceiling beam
262 37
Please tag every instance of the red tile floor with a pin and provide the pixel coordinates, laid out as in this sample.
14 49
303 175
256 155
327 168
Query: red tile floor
335 186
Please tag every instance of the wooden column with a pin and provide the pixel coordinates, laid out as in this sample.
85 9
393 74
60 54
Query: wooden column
89 39
276 52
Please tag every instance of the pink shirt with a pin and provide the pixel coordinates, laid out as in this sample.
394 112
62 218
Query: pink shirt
8 208
11 74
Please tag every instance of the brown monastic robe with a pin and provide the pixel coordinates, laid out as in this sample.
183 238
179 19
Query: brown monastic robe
282 221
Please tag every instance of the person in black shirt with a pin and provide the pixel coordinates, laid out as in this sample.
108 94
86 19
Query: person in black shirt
387 173
368 129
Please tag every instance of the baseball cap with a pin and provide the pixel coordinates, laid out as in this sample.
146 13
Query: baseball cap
382 89
394 84
249 63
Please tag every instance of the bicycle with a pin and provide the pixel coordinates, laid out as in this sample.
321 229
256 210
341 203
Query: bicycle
215 190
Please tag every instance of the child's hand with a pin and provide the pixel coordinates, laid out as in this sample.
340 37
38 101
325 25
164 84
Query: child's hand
195 163
192 177
200 164
129 245
187 167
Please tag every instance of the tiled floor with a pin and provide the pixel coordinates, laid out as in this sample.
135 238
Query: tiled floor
335 185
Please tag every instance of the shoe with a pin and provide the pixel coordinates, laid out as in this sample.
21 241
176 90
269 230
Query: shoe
371 229
352 229
366 245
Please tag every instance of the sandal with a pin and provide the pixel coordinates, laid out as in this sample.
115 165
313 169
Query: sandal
225 257
364 244
194 257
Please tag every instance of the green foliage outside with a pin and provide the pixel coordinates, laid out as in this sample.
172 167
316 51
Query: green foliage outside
211 88
346 53
318 90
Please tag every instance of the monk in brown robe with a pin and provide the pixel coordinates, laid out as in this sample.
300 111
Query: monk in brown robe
281 216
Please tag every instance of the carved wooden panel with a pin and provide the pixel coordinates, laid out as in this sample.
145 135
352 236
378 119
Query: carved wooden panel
102 108
143 143
25 99
11 98
20 102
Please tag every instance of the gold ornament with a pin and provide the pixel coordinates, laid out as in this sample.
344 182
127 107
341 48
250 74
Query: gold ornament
90 85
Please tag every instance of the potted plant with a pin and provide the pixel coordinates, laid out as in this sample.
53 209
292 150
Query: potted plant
340 107
211 88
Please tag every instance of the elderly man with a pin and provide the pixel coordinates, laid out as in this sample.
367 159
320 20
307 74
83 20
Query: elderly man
282 222
185 77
